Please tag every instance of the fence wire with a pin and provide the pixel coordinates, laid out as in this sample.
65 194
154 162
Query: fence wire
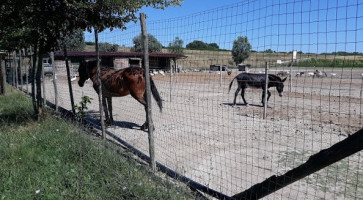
201 135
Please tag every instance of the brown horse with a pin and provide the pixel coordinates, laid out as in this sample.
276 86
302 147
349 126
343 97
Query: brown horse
118 83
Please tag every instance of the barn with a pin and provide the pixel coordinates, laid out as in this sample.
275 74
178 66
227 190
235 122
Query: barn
119 60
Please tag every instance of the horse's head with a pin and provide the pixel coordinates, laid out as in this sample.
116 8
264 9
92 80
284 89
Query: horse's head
83 73
280 85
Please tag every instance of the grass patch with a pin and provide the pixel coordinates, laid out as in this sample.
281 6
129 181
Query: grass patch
54 159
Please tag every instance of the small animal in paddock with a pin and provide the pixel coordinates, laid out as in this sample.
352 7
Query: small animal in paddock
118 83
299 74
319 74
245 80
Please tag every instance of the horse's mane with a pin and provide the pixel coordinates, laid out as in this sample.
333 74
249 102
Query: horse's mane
274 77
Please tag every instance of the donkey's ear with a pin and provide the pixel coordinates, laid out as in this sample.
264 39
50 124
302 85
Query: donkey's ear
283 80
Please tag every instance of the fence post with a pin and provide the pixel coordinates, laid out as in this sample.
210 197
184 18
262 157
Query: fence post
148 93
69 78
15 71
26 74
54 82
220 75
43 85
320 160
100 86
265 92
3 76
20 70
171 79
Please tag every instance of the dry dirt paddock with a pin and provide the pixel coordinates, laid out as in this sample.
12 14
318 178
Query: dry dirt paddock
200 135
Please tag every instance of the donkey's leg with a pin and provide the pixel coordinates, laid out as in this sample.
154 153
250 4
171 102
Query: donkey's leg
235 95
263 97
243 95
109 104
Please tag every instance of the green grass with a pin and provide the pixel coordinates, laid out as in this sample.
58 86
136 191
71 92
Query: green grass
54 159
331 63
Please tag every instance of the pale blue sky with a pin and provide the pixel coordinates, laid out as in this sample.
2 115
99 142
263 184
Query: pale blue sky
314 26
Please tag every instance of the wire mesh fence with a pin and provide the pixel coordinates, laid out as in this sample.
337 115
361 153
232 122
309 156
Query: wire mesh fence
202 135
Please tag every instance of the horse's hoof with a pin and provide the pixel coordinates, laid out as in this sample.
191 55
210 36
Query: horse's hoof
145 127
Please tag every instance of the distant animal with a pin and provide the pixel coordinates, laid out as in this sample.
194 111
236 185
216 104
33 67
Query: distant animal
283 73
299 74
333 75
319 74
245 80
311 74
118 83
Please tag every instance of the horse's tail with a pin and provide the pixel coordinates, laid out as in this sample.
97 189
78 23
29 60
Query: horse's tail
156 94
230 85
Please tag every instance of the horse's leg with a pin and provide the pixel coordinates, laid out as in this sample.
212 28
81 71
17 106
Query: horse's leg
263 97
109 104
105 109
146 124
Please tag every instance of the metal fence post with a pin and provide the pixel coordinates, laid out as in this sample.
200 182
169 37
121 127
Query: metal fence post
148 93
265 92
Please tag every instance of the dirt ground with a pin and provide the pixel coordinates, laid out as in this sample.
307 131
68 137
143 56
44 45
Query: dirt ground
229 149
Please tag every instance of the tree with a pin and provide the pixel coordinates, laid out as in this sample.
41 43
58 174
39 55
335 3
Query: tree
200 45
213 46
176 46
241 49
105 46
74 41
43 24
154 44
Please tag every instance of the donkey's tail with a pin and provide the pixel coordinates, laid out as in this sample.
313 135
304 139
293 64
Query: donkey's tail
230 85
156 94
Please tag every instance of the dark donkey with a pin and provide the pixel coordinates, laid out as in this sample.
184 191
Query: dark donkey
245 80
118 83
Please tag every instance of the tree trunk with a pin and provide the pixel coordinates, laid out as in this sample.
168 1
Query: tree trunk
3 77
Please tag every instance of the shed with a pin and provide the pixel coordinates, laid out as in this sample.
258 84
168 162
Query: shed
117 60
217 67
244 67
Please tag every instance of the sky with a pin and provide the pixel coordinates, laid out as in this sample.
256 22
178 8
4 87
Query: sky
314 26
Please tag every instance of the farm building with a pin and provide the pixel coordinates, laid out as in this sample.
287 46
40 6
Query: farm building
119 60
217 67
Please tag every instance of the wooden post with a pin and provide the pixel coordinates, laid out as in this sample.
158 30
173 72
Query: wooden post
69 78
265 91
43 85
3 76
100 86
148 93
20 70
171 79
15 71
26 74
220 75
54 82
324 158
